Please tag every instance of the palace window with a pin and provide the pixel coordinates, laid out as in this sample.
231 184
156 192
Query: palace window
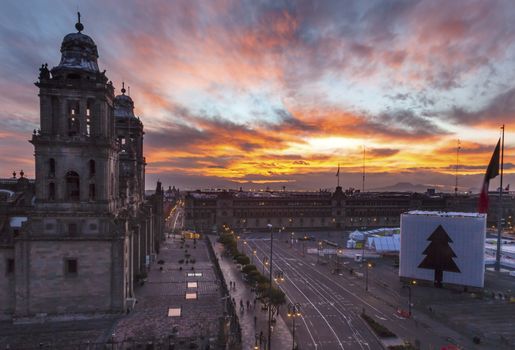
72 229
92 168
71 267
9 266
92 192
51 191
72 186
51 167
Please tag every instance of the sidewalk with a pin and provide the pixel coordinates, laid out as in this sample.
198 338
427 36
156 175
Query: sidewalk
281 336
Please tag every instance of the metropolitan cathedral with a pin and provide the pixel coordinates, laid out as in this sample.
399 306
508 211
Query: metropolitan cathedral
78 238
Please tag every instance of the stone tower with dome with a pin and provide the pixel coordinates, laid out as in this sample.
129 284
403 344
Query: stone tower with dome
90 231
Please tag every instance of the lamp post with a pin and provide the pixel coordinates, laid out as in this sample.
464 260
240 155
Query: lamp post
339 251
244 247
367 266
270 290
319 250
252 256
291 240
293 312
414 283
265 262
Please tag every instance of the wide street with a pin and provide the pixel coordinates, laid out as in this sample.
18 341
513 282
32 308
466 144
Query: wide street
331 304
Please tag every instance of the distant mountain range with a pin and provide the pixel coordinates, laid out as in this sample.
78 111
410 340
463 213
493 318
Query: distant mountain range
406 187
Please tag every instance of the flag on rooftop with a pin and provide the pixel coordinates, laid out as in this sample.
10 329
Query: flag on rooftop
491 172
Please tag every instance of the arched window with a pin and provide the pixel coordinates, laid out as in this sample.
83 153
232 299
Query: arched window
92 192
88 117
72 186
51 191
73 118
92 168
51 167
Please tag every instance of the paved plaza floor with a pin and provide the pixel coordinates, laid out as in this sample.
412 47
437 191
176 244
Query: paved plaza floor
167 288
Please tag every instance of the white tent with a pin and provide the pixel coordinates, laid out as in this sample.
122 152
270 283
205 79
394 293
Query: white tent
385 244
357 235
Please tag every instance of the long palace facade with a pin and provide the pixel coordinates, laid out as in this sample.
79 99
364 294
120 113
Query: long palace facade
207 211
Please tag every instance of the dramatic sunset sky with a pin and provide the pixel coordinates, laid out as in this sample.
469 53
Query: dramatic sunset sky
270 93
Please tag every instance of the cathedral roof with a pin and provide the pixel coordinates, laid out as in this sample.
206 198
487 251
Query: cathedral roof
124 105
79 51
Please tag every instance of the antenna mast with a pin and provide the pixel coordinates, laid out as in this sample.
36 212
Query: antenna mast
499 214
363 188
457 167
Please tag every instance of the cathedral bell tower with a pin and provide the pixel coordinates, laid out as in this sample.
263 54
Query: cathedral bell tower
76 149
73 251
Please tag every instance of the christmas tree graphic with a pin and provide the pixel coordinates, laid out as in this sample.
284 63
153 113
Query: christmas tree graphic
439 255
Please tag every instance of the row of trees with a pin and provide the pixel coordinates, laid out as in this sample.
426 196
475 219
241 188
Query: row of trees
273 297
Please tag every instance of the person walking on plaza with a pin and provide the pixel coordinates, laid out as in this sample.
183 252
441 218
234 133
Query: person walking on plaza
248 305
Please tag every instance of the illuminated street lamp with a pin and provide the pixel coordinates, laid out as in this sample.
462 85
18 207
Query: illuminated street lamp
252 256
412 283
367 266
265 262
339 252
291 241
244 246
293 312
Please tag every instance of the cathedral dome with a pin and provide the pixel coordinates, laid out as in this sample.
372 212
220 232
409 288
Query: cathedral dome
79 51
124 106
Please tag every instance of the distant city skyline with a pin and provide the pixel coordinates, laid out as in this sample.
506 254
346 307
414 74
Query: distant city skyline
270 93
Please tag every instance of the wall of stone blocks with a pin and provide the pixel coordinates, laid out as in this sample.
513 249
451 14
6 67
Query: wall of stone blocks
52 291
6 285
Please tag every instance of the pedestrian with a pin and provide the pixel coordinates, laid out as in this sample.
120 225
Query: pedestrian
255 299
248 304
233 302
260 338
255 321
234 285
241 304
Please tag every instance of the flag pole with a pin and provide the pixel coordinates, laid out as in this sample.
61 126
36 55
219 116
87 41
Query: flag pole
363 188
457 167
338 176
500 213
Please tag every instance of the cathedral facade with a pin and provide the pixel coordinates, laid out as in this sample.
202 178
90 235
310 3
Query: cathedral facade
89 233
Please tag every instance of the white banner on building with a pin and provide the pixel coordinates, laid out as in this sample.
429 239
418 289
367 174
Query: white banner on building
443 247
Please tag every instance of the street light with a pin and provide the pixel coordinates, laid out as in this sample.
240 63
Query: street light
270 290
414 283
319 250
244 246
291 241
265 262
367 266
252 256
293 312
339 252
